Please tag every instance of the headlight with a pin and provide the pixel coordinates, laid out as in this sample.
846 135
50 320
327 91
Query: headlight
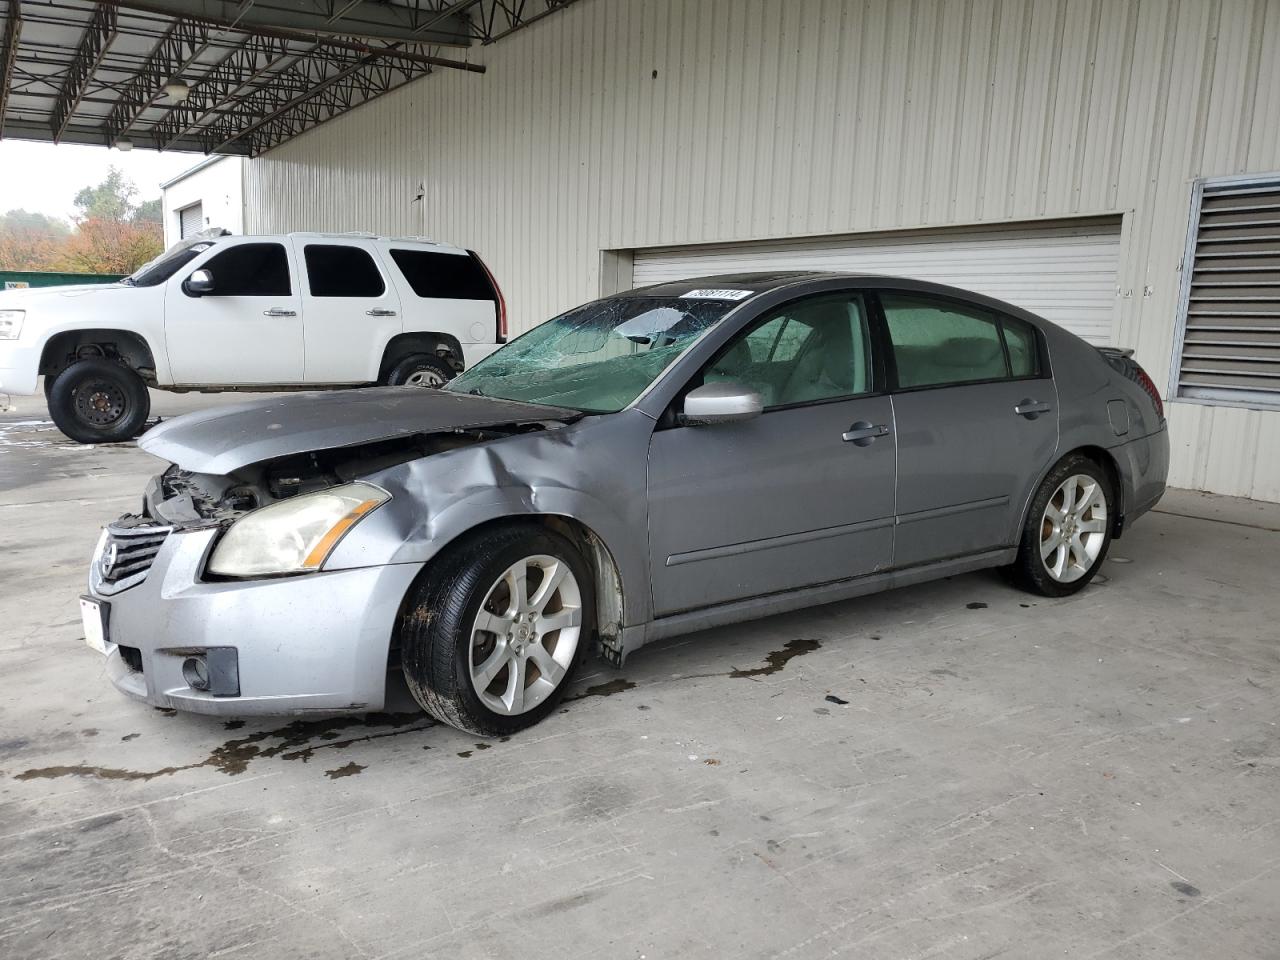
293 536
11 323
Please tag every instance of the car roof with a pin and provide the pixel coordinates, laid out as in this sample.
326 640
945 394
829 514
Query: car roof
765 281
436 245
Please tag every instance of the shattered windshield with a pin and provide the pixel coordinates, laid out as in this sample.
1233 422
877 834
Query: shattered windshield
597 358
167 264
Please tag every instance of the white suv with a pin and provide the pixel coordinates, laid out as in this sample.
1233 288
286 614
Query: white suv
217 313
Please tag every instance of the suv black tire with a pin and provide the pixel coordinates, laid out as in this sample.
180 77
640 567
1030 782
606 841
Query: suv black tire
99 401
1030 571
436 629
422 365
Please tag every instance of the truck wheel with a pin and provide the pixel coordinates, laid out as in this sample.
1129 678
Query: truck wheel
420 370
493 634
99 401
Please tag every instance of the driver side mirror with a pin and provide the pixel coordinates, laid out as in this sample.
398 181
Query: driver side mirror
722 402
198 284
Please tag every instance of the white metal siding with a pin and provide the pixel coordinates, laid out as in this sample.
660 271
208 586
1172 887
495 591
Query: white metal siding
791 118
1067 275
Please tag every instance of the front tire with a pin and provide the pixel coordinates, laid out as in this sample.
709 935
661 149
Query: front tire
1068 529
494 633
99 401
420 370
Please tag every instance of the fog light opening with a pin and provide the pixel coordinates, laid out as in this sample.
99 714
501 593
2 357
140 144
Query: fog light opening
196 673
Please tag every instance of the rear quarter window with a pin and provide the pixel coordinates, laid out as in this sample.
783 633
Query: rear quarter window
443 276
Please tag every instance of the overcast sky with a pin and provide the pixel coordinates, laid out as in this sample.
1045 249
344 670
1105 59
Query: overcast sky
45 177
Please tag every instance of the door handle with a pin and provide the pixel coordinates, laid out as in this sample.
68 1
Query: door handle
376 312
279 312
863 434
1031 408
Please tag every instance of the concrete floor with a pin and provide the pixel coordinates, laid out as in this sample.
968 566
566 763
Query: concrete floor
1009 776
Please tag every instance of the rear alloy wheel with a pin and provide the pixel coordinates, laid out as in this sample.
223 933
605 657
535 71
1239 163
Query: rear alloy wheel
1068 529
99 401
420 370
493 635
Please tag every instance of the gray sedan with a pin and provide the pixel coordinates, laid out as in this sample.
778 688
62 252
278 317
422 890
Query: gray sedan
665 460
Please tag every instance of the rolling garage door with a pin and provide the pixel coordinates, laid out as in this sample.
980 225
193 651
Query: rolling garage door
1066 274
191 219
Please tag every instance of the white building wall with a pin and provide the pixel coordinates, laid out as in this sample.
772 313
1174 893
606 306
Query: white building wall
634 123
218 187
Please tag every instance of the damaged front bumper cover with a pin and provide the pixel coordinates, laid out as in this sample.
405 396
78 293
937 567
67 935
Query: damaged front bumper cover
312 642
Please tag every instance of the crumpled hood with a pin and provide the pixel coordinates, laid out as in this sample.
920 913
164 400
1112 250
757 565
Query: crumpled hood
224 439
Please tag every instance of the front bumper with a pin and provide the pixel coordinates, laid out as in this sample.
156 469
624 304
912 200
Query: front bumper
312 642
19 367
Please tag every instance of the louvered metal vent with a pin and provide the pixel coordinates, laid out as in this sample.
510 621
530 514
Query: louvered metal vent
1230 347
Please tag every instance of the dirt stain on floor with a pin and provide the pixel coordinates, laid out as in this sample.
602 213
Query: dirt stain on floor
295 742
347 770
604 689
780 658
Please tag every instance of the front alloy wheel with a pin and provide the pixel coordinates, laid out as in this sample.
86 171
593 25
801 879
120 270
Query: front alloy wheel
525 636
493 632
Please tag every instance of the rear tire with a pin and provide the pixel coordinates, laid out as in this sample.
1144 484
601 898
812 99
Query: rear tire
420 370
1068 529
482 654
99 401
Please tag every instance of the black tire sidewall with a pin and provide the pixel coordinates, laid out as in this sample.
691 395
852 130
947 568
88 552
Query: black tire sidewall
440 660
1029 570
405 368
62 408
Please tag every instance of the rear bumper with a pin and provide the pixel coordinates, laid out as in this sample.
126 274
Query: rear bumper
1144 471
313 642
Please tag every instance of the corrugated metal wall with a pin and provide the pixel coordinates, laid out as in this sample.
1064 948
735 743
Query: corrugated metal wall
636 123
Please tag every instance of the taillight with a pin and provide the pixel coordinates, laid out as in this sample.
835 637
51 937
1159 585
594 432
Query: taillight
1146 383
501 300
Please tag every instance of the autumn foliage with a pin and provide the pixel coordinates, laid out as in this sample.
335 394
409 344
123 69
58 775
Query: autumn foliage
111 235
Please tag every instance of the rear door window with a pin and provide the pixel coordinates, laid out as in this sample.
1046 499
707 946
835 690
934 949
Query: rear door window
939 342
250 270
443 276
335 270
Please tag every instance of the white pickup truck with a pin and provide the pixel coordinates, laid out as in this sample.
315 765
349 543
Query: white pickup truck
214 313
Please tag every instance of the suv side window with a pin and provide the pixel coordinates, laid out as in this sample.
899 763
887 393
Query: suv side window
340 271
814 349
443 276
940 342
250 270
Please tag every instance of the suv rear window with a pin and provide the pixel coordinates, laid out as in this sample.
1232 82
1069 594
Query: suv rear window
444 276
340 271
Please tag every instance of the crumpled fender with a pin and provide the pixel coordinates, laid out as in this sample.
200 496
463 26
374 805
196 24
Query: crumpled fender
593 472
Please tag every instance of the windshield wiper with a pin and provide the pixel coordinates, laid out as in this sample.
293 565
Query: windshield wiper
476 392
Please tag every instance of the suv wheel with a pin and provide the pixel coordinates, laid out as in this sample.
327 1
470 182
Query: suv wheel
420 370
492 636
1068 529
99 401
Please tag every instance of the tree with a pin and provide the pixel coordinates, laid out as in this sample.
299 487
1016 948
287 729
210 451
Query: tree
25 221
30 241
112 199
110 246
149 211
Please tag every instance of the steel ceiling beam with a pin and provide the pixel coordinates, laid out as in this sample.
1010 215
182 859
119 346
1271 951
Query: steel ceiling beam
92 48
308 78
316 19
223 83
351 88
493 19
177 50
8 54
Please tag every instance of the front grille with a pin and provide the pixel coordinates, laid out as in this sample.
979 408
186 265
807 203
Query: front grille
129 550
